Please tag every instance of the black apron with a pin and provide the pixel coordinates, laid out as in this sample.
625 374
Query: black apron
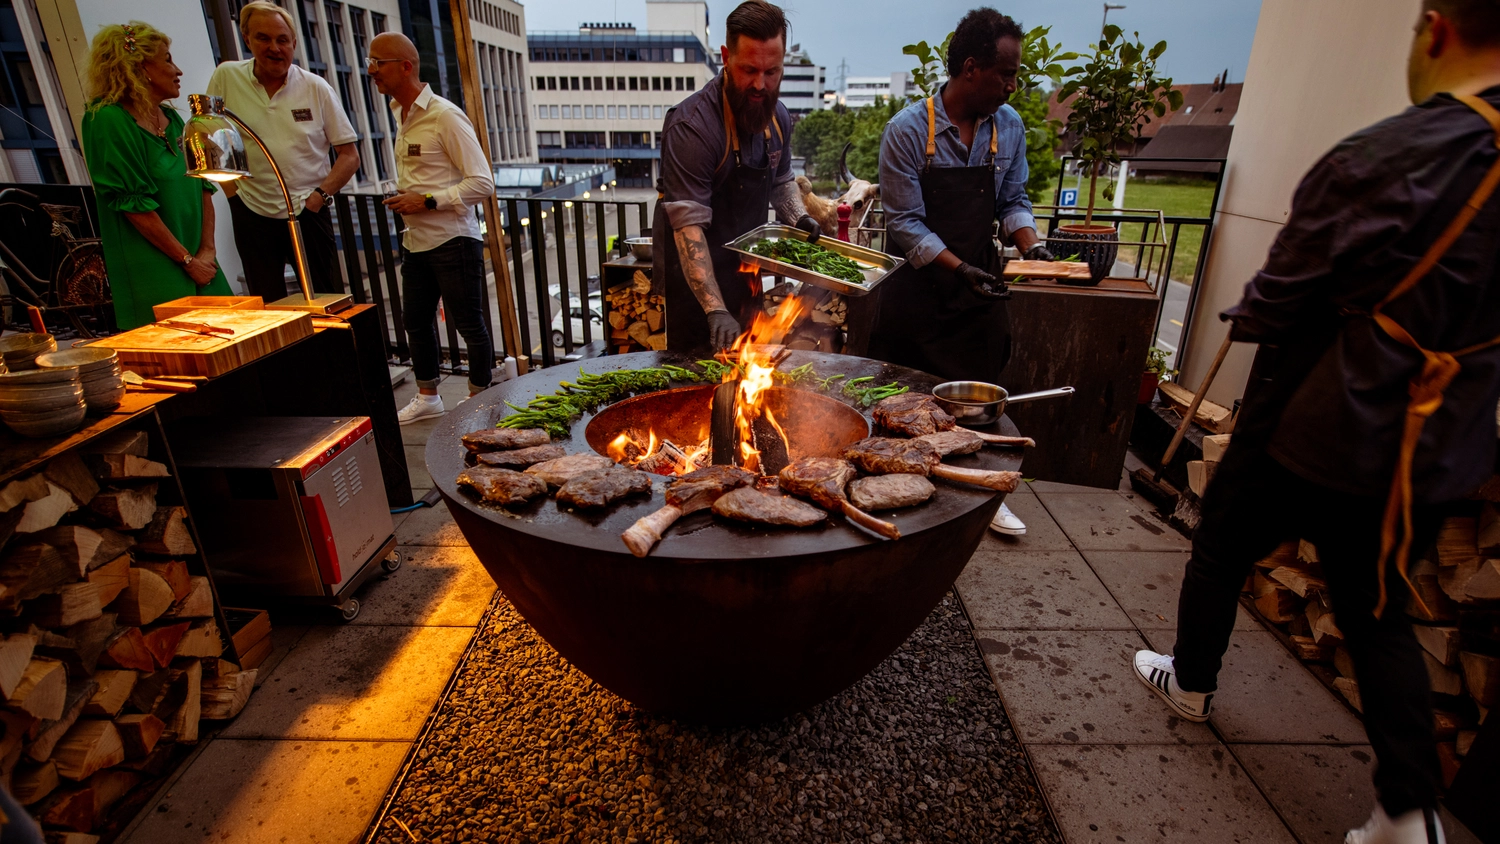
929 318
739 205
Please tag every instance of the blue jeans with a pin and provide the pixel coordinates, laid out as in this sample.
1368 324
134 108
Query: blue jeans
454 274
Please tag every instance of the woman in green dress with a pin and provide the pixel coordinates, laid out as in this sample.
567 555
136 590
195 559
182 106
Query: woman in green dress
156 220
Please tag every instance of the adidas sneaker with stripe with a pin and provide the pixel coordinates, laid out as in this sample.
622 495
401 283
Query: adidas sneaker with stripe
1156 672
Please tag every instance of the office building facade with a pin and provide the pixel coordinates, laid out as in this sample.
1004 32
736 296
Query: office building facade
801 83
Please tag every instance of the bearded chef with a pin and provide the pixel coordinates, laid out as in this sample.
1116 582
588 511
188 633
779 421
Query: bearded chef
725 159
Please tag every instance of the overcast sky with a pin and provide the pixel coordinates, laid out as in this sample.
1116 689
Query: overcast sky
1204 37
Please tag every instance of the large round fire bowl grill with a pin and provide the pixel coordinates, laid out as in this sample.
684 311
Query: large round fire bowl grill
723 622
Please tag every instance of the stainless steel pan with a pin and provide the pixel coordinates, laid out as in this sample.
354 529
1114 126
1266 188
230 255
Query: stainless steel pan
975 403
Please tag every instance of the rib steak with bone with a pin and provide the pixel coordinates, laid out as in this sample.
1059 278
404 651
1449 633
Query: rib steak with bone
889 456
688 494
822 481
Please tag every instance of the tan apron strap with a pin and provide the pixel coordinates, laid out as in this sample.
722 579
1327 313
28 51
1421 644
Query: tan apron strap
1427 388
731 137
994 137
931 135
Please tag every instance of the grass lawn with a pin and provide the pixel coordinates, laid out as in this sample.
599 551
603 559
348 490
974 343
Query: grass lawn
1175 199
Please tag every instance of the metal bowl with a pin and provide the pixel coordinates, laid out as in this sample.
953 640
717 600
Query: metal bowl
640 247
971 402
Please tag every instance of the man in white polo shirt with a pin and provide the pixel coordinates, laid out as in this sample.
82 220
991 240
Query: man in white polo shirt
300 119
441 174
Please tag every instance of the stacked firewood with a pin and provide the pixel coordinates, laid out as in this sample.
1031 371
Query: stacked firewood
1459 582
637 317
110 653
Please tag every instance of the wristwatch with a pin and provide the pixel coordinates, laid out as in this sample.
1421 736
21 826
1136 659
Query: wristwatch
186 260
327 197
430 203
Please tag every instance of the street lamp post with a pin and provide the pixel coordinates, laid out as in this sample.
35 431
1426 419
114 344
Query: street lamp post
1107 8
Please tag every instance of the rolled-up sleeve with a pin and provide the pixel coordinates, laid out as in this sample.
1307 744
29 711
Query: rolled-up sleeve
462 147
1012 205
901 196
687 175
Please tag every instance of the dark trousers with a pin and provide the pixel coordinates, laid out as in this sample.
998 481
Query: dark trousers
454 274
1254 504
265 247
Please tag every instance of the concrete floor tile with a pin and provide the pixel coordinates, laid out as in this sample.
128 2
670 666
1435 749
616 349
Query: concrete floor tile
435 587
257 792
283 639
354 683
1266 696
1322 791
430 526
1036 590
416 433
416 467
1057 488
1042 533
1108 522
1169 794
1075 687
1147 583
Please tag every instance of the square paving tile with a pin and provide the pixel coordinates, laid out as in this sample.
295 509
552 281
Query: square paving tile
1055 488
1322 791
256 792
1147 583
430 526
1042 533
1103 794
1108 522
416 467
435 587
284 637
1036 590
354 683
1266 696
1075 687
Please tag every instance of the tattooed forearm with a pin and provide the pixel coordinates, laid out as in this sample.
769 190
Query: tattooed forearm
787 200
692 251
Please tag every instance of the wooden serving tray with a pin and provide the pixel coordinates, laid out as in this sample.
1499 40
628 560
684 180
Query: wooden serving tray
153 350
1046 269
178 307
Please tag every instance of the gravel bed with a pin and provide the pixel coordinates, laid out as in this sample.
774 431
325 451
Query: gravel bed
528 749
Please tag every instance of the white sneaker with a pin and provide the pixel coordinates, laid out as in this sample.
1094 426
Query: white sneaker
1156 671
1415 827
1006 522
420 407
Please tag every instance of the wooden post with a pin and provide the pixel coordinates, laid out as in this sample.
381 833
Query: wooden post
505 294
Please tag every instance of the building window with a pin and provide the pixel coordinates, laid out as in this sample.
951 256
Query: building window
619 83
575 85
609 83
567 113
588 83
680 82
598 83
645 84
552 83
611 111
656 83
554 113
588 112
587 140
549 140
630 140
658 140
577 112
634 83
635 112
377 23
656 112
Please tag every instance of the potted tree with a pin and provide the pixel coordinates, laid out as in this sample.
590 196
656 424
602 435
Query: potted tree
1118 92
1156 372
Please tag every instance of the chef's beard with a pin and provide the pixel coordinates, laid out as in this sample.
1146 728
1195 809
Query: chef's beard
751 116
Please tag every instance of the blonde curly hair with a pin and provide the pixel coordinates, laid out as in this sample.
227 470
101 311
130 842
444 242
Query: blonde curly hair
115 58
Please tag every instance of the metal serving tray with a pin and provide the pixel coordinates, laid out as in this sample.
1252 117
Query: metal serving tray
877 265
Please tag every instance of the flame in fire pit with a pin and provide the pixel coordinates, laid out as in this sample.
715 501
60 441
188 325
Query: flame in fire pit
656 455
756 352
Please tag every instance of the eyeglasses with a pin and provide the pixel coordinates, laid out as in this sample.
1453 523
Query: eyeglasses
371 61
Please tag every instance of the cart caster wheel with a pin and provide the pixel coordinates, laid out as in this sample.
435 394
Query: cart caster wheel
349 610
391 563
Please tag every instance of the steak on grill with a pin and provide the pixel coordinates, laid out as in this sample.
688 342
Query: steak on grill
888 492
502 439
822 480
887 456
505 487
563 469
591 490
688 494
748 504
522 457
912 414
956 441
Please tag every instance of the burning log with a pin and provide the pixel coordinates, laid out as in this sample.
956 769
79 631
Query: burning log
688 494
886 456
822 481
771 443
723 432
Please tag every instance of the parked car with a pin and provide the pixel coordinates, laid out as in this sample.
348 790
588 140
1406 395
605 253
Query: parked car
575 313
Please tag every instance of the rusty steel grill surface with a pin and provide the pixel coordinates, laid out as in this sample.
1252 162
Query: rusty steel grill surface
723 622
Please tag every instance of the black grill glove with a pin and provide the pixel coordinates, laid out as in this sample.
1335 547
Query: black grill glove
723 329
1039 253
809 225
982 283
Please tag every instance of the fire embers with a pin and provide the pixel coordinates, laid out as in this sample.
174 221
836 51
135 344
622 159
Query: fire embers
761 443
657 456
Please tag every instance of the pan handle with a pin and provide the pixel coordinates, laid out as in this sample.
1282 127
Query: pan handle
1041 394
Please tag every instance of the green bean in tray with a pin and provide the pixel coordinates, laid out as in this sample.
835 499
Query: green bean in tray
811 257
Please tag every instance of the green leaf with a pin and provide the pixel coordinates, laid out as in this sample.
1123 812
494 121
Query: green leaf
1175 98
1111 32
1161 47
1160 109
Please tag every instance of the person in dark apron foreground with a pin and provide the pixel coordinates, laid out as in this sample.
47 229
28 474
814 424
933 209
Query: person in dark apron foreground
724 160
1378 311
950 167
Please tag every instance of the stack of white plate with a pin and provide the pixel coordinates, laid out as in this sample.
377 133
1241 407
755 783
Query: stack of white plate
42 402
99 371
19 351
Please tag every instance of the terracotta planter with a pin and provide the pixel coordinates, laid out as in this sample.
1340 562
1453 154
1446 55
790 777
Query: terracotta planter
1148 388
1096 246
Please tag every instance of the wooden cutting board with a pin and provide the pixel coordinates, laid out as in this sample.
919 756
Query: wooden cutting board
153 350
1046 269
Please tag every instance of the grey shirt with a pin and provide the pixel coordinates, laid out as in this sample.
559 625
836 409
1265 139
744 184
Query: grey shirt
696 159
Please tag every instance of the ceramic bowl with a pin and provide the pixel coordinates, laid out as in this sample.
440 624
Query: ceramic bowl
45 397
88 359
47 423
19 351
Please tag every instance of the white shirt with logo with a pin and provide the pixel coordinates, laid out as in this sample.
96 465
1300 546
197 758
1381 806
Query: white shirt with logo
299 124
437 153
